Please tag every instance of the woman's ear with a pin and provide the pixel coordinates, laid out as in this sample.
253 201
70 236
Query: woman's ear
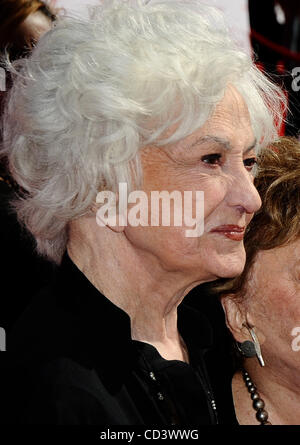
238 320
235 317
106 211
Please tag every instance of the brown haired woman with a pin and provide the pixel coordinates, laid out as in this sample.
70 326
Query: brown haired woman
22 23
262 306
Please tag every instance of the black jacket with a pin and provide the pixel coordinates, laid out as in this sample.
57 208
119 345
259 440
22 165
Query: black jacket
77 364
22 272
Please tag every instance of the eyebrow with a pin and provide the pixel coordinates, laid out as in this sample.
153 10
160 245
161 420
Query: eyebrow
224 142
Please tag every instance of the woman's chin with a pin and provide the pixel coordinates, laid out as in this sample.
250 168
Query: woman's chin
232 266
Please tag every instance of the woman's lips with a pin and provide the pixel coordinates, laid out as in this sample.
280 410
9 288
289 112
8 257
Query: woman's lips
235 233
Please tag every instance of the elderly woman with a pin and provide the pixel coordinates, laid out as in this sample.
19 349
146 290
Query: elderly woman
262 306
154 96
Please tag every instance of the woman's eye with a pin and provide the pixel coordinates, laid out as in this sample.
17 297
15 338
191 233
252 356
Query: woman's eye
212 159
250 163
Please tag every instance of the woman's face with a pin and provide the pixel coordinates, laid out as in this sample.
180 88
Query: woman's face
273 302
216 159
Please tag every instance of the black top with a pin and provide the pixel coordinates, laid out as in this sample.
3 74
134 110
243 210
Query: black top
77 363
22 272
221 360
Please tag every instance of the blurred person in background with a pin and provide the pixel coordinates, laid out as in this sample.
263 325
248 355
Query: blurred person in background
275 38
22 272
22 23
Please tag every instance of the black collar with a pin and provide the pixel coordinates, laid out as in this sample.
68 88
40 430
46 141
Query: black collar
71 318
103 328
107 325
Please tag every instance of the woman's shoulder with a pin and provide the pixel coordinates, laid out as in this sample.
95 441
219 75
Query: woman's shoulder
44 327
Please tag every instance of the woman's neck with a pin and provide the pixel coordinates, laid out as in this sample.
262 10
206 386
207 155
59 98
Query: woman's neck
134 283
282 399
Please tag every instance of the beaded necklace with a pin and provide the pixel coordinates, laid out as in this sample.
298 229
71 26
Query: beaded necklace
258 403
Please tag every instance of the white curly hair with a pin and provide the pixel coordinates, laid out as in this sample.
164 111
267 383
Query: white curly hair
94 91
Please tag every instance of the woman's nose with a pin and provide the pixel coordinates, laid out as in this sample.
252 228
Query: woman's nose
243 193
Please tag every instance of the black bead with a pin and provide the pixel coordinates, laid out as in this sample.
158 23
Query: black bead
258 404
254 396
152 375
160 396
262 416
252 389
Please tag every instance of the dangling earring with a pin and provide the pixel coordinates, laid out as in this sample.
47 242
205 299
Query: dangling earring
251 348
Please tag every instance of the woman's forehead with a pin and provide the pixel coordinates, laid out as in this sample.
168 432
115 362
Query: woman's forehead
232 106
278 259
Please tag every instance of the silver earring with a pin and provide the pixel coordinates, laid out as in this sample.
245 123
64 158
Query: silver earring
251 348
